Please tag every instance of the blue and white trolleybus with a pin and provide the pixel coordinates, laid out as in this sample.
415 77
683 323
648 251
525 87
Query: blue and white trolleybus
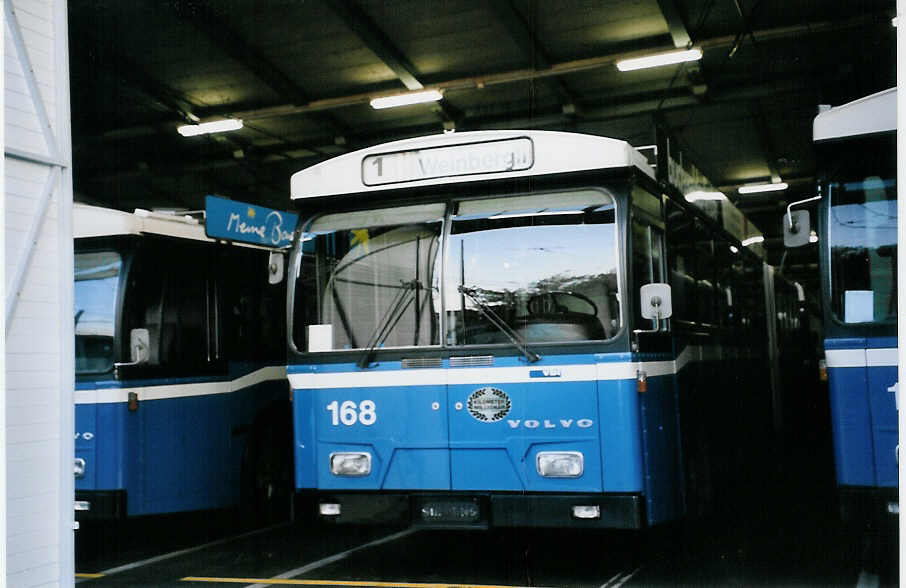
856 145
181 397
519 328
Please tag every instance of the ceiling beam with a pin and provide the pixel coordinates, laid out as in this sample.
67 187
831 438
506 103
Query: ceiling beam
769 152
218 31
378 43
623 108
527 41
675 23
375 39
563 68
113 62
556 69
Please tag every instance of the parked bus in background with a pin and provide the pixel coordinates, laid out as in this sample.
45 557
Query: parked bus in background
181 393
857 153
521 328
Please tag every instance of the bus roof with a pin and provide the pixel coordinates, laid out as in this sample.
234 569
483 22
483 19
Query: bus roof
95 221
463 157
872 114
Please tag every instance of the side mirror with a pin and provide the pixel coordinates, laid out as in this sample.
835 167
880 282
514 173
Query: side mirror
656 302
796 228
276 265
139 348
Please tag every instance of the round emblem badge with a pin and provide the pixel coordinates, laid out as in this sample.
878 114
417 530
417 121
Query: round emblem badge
489 405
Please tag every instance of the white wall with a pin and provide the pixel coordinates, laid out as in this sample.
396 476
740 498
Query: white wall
37 207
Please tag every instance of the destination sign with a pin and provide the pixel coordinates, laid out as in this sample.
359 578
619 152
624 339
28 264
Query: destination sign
248 223
455 160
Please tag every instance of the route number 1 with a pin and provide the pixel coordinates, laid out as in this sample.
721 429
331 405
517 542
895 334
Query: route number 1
348 413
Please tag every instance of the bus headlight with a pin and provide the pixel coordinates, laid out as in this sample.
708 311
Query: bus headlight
560 464
79 467
350 463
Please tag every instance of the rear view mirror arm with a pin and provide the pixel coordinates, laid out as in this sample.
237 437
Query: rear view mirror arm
789 213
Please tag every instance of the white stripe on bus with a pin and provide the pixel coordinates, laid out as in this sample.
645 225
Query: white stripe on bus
114 395
470 376
883 357
843 358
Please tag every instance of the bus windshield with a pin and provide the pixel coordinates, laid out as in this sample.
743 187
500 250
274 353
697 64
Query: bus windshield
369 280
544 265
96 282
863 248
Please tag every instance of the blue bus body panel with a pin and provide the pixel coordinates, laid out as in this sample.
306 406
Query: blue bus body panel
884 423
424 436
407 439
660 439
545 416
100 441
864 415
172 454
621 442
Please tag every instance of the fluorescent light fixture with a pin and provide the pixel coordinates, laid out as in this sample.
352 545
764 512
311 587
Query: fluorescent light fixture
659 59
406 99
756 188
753 240
703 195
217 126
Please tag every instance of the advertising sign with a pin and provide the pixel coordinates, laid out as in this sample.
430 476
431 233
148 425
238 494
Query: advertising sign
248 223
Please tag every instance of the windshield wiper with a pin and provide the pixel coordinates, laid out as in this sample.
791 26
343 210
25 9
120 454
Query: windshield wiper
393 315
474 295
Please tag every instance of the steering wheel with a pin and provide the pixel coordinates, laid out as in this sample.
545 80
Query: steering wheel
548 303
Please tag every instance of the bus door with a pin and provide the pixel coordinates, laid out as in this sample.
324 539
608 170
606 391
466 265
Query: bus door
171 425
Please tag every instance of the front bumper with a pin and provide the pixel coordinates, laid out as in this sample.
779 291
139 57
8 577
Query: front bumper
484 510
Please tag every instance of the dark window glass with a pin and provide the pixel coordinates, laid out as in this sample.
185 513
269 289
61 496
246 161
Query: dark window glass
647 254
185 339
170 296
691 261
252 314
681 238
97 276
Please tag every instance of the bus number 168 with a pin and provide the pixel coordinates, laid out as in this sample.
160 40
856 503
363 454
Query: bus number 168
348 413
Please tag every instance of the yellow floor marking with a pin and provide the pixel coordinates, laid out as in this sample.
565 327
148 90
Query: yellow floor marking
362 583
89 575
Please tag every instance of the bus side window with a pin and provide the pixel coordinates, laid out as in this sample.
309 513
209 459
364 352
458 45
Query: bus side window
167 295
143 302
728 283
183 333
681 263
706 280
647 258
252 310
